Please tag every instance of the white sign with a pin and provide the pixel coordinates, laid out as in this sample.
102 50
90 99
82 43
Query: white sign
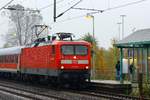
125 66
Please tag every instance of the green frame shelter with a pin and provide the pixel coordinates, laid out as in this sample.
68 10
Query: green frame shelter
136 49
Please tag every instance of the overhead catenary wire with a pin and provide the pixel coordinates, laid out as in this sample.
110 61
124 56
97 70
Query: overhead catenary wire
58 2
6 4
69 8
68 19
89 9
95 11
47 6
110 8
124 5
66 4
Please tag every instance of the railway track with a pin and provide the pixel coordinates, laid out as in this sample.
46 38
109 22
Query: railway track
47 93
41 93
24 94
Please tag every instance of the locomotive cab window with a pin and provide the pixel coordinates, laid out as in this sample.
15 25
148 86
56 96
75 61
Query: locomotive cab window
81 50
67 50
74 50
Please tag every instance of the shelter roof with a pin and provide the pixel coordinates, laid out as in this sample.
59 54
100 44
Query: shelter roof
137 39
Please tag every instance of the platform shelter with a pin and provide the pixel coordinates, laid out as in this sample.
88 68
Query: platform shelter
136 49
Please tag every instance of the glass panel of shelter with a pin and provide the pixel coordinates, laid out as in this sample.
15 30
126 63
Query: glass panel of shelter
140 57
137 57
145 63
133 59
148 68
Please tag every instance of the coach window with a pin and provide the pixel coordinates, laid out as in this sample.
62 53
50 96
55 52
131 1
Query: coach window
16 58
7 59
1 59
4 59
11 59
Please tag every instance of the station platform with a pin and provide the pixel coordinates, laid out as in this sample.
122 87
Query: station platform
110 82
113 86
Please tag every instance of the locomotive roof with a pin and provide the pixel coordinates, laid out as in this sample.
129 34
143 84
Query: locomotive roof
72 42
11 50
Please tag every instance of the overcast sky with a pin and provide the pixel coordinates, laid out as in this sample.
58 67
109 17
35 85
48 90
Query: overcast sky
106 28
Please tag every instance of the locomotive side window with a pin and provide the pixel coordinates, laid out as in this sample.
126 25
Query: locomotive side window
67 50
53 50
81 50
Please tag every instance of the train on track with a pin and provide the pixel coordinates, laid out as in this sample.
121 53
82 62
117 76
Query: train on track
55 60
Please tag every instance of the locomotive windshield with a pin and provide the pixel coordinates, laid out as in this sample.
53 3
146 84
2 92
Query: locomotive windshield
68 50
74 50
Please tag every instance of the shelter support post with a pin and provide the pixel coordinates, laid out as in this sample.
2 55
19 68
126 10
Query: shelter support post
128 64
121 65
147 65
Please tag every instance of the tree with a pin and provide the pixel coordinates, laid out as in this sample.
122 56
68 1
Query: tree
89 38
100 62
20 26
114 52
97 53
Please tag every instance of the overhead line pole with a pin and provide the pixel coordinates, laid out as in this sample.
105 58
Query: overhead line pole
54 10
94 69
56 16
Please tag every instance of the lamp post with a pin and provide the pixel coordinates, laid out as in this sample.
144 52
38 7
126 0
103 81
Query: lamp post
93 35
93 23
119 24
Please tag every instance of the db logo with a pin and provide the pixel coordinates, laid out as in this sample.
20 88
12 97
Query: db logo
74 62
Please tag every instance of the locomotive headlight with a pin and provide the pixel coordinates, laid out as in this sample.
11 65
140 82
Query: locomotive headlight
62 67
87 67
75 57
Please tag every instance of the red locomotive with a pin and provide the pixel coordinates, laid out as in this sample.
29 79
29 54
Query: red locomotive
53 59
